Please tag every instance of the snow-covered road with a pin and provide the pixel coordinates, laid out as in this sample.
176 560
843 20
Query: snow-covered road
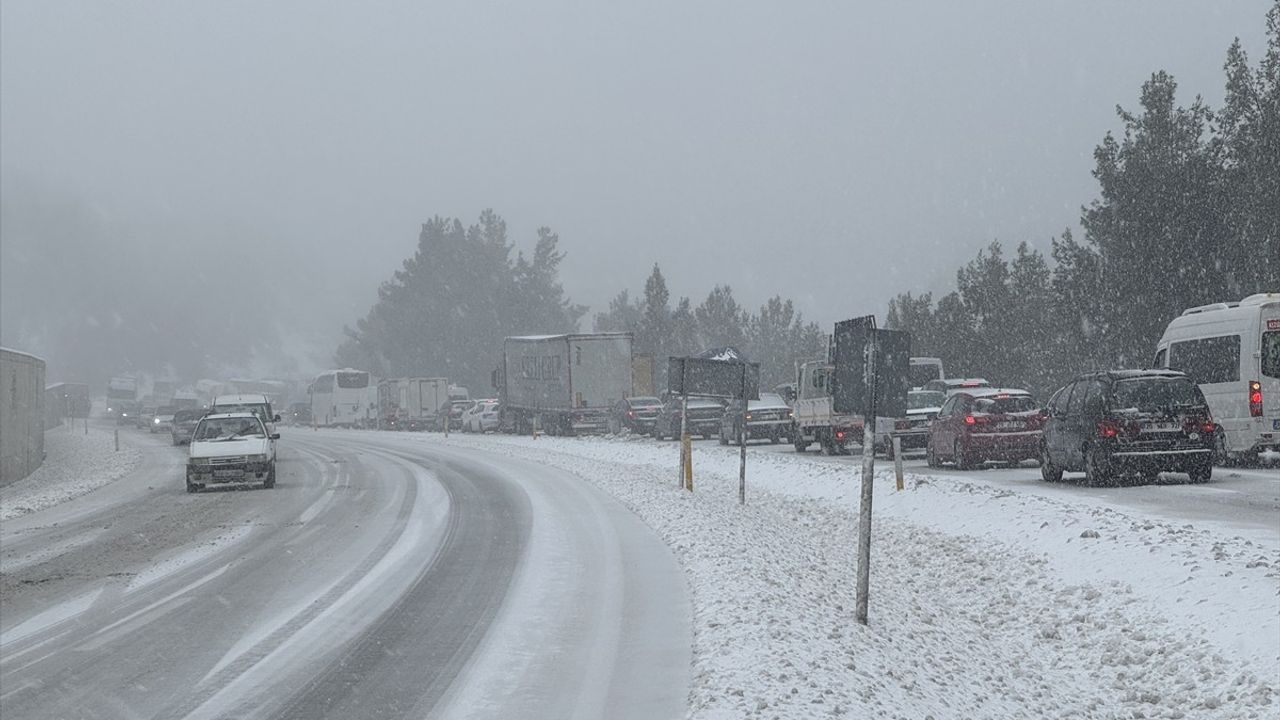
375 580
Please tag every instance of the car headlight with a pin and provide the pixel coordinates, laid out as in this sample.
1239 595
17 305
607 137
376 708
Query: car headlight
259 458
156 421
198 461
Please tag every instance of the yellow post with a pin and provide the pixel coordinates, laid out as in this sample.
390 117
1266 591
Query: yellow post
687 441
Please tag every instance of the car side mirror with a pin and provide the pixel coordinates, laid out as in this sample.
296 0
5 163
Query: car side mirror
275 419
275 436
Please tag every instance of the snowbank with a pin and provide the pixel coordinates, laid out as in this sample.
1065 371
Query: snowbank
75 464
985 602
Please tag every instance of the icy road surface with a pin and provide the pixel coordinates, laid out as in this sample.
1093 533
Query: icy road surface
375 581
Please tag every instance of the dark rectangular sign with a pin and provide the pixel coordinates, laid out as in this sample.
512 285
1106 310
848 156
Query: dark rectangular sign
712 378
892 365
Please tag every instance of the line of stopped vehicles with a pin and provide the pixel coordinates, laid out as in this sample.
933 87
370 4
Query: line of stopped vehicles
1211 395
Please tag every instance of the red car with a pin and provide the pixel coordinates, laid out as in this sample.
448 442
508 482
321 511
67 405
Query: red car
983 424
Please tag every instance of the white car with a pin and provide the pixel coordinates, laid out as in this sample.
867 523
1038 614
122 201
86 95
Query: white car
231 448
481 417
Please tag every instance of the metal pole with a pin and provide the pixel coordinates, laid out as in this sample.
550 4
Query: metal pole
86 423
117 439
685 448
868 470
742 443
897 459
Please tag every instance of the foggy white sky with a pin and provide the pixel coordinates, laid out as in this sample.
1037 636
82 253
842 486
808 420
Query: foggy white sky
837 153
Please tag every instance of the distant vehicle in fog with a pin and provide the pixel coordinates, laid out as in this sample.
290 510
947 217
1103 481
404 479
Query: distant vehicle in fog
410 403
481 417
569 383
450 416
340 398
126 412
636 415
1143 422
768 418
162 421
122 393
704 418
1232 351
924 370
184 424
142 419
299 413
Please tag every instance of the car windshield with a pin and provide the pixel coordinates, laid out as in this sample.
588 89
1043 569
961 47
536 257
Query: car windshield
187 415
924 399
644 402
166 410
230 428
767 400
921 374
1155 393
999 404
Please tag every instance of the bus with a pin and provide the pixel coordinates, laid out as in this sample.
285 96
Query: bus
1232 351
341 398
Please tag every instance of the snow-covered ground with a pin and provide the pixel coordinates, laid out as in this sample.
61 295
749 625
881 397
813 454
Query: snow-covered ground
985 602
74 464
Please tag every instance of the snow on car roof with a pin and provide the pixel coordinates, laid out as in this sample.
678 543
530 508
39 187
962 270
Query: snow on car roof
988 392
241 399
219 416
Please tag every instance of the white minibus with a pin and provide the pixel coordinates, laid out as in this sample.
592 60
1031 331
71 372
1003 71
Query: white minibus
1232 351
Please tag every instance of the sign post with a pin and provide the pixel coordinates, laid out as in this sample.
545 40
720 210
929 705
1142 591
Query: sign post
742 443
721 373
870 377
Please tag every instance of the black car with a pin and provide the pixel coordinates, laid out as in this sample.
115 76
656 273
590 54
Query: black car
1143 422
635 414
184 424
704 418
769 418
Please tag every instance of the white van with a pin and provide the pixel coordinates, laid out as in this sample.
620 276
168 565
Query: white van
1232 350
924 369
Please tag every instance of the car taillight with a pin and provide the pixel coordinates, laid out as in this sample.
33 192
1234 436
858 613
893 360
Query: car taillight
970 420
631 413
1109 429
839 434
1255 398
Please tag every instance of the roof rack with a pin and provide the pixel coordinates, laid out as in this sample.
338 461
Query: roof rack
1210 307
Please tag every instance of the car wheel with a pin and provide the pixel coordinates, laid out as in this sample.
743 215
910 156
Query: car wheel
799 443
724 438
930 457
1201 472
960 458
774 439
192 487
1048 471
1096 469
270 482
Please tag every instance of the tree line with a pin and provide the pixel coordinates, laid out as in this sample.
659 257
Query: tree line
1188 214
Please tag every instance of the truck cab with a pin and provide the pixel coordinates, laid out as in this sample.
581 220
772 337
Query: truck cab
816 421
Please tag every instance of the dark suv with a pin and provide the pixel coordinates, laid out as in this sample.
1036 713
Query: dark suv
636 415
1128 422
704 418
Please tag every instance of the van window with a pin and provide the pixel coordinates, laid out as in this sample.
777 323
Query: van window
1207 360
1058 403
1271 354
1162 359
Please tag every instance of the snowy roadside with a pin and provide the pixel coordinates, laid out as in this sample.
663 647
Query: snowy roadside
985 602
74 464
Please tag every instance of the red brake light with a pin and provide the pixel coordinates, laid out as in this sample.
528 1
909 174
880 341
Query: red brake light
1255 398
631 413
839 434
970 420
1108 429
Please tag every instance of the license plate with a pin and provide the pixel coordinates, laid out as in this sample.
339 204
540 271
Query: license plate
227 473
1009 426
1161 427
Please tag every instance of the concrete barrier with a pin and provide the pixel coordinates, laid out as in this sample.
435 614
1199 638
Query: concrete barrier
21 415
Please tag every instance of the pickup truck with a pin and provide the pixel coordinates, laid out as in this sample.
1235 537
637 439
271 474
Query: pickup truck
816 421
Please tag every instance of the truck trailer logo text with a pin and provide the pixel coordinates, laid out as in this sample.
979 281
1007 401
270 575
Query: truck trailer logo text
546 367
